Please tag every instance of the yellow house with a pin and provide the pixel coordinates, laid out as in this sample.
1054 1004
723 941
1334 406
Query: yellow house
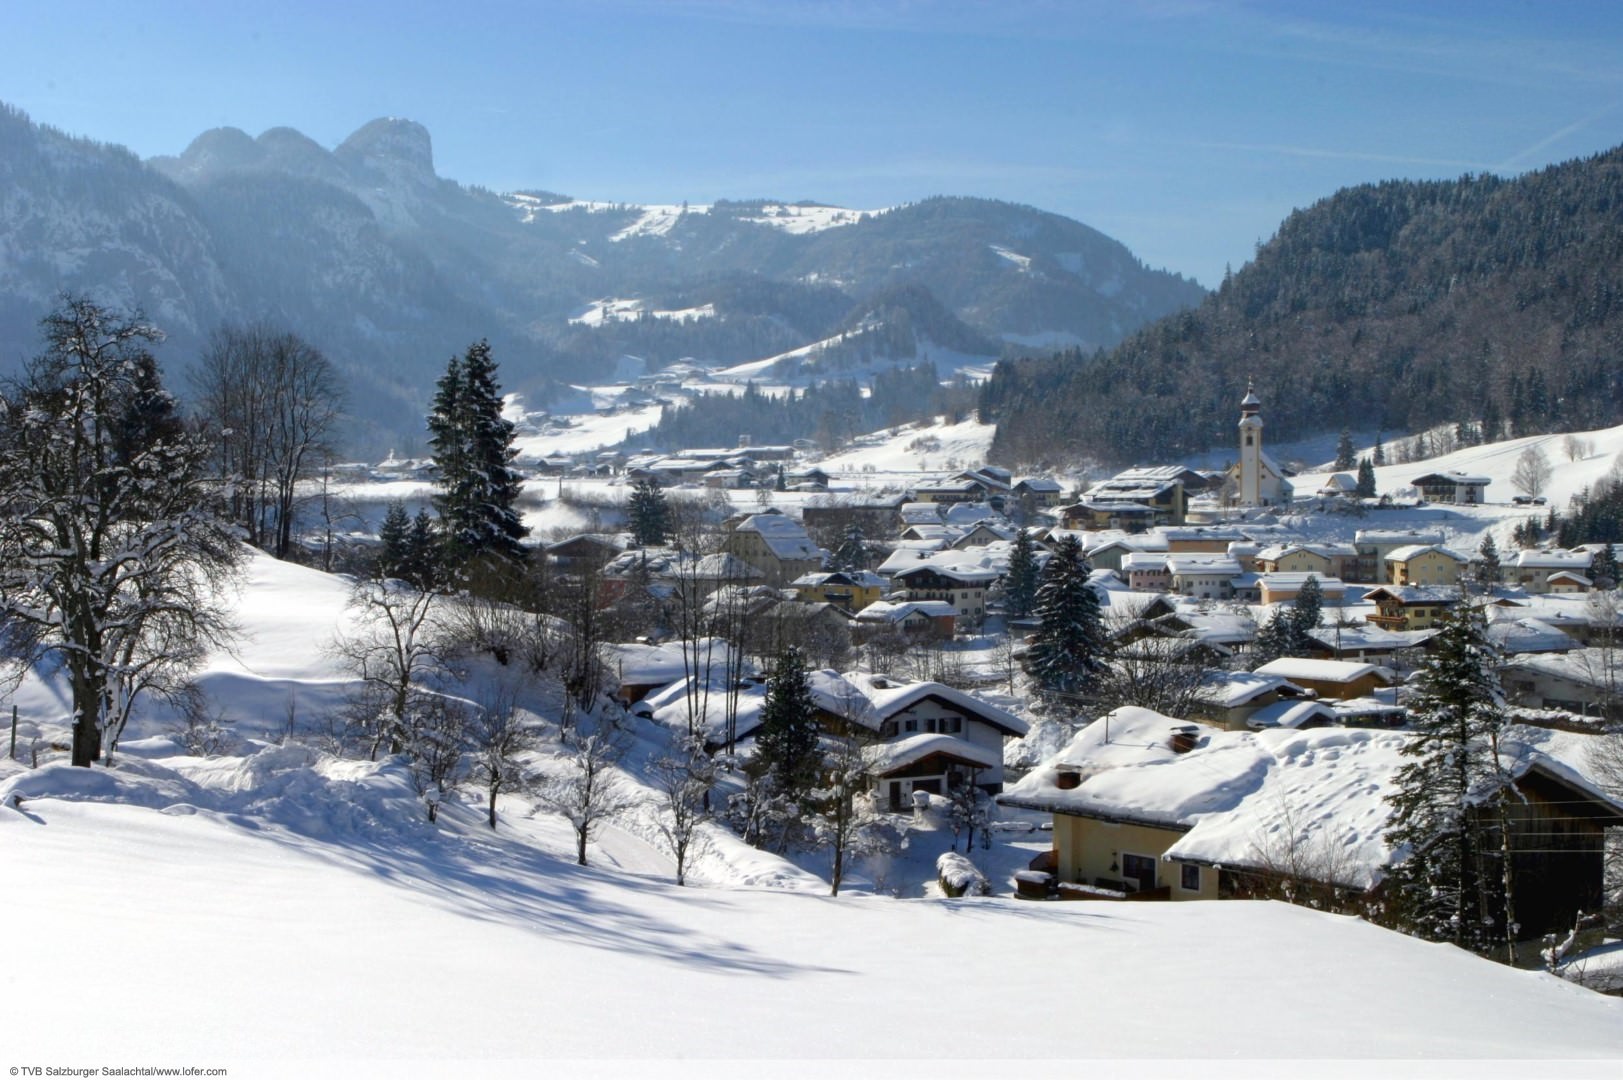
1325 560
1340 679
1409 607
1281 588
852 590
1147 807
1424 564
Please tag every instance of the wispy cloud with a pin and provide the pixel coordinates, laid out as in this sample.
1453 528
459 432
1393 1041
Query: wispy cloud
1288 150
1517 160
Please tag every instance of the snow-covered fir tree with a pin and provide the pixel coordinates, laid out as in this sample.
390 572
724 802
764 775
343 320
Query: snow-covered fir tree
786 747
1020 586
1286 633
852 554
1365 486
648 514
1486 569
1067 656
1344 451
473 453
1448 881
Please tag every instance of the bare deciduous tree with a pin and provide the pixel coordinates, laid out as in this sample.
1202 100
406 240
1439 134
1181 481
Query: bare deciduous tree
1532 472
397 646
502 737
436 728
684 779
590 790
276 401
112 553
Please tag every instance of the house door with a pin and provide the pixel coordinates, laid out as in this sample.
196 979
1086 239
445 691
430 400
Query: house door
1140 867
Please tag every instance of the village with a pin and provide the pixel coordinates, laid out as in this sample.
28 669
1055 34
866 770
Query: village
1216 767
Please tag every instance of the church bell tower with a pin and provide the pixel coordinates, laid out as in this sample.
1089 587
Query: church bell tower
1251 449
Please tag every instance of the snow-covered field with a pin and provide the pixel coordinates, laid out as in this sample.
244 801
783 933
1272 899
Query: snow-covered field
279 912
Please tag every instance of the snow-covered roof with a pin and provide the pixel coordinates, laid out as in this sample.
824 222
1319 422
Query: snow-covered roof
890 696
1300 668
1414 551
1529 635
890 611
865 579
1595 667
784 537
1289 714
1453 477
1330 586
1551 560
654 665
1394 537
1367 637
889 756
1228 689
1236 793
1200 564
1415 594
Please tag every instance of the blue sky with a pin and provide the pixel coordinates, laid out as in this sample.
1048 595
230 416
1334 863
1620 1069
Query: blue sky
1185 129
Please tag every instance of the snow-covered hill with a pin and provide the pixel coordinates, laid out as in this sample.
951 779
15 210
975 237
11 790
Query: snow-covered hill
275 908
231 939
1497 461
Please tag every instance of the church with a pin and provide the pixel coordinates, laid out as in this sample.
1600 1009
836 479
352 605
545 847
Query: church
1257 479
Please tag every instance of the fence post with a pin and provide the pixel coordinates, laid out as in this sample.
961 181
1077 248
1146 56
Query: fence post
14 733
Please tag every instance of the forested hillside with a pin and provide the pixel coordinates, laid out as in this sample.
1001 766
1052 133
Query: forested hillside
1497 304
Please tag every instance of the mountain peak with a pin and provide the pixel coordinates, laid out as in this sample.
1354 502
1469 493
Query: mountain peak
393 145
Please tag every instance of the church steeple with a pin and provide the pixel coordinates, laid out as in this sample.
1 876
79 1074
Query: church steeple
1251 493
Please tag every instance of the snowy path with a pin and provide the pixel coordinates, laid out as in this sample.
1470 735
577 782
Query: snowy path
631 854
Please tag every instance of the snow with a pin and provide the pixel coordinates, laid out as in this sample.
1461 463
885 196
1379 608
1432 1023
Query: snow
1497 462
621 310
279 911
235 944
1248 798
659 219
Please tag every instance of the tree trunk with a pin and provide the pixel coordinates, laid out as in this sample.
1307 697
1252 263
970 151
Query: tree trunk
87 697
492 806
580 845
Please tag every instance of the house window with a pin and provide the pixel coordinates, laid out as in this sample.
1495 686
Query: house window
952 725
1189 877
910 726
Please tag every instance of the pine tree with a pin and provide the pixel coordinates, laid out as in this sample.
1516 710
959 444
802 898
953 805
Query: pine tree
1307 612
1486 571
473 452
786 747
1272 640
648 514
1067 655
1345 457
852 554
424 552
1443 884
1366 480
1604 570
394 538
1020 587
1378 456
